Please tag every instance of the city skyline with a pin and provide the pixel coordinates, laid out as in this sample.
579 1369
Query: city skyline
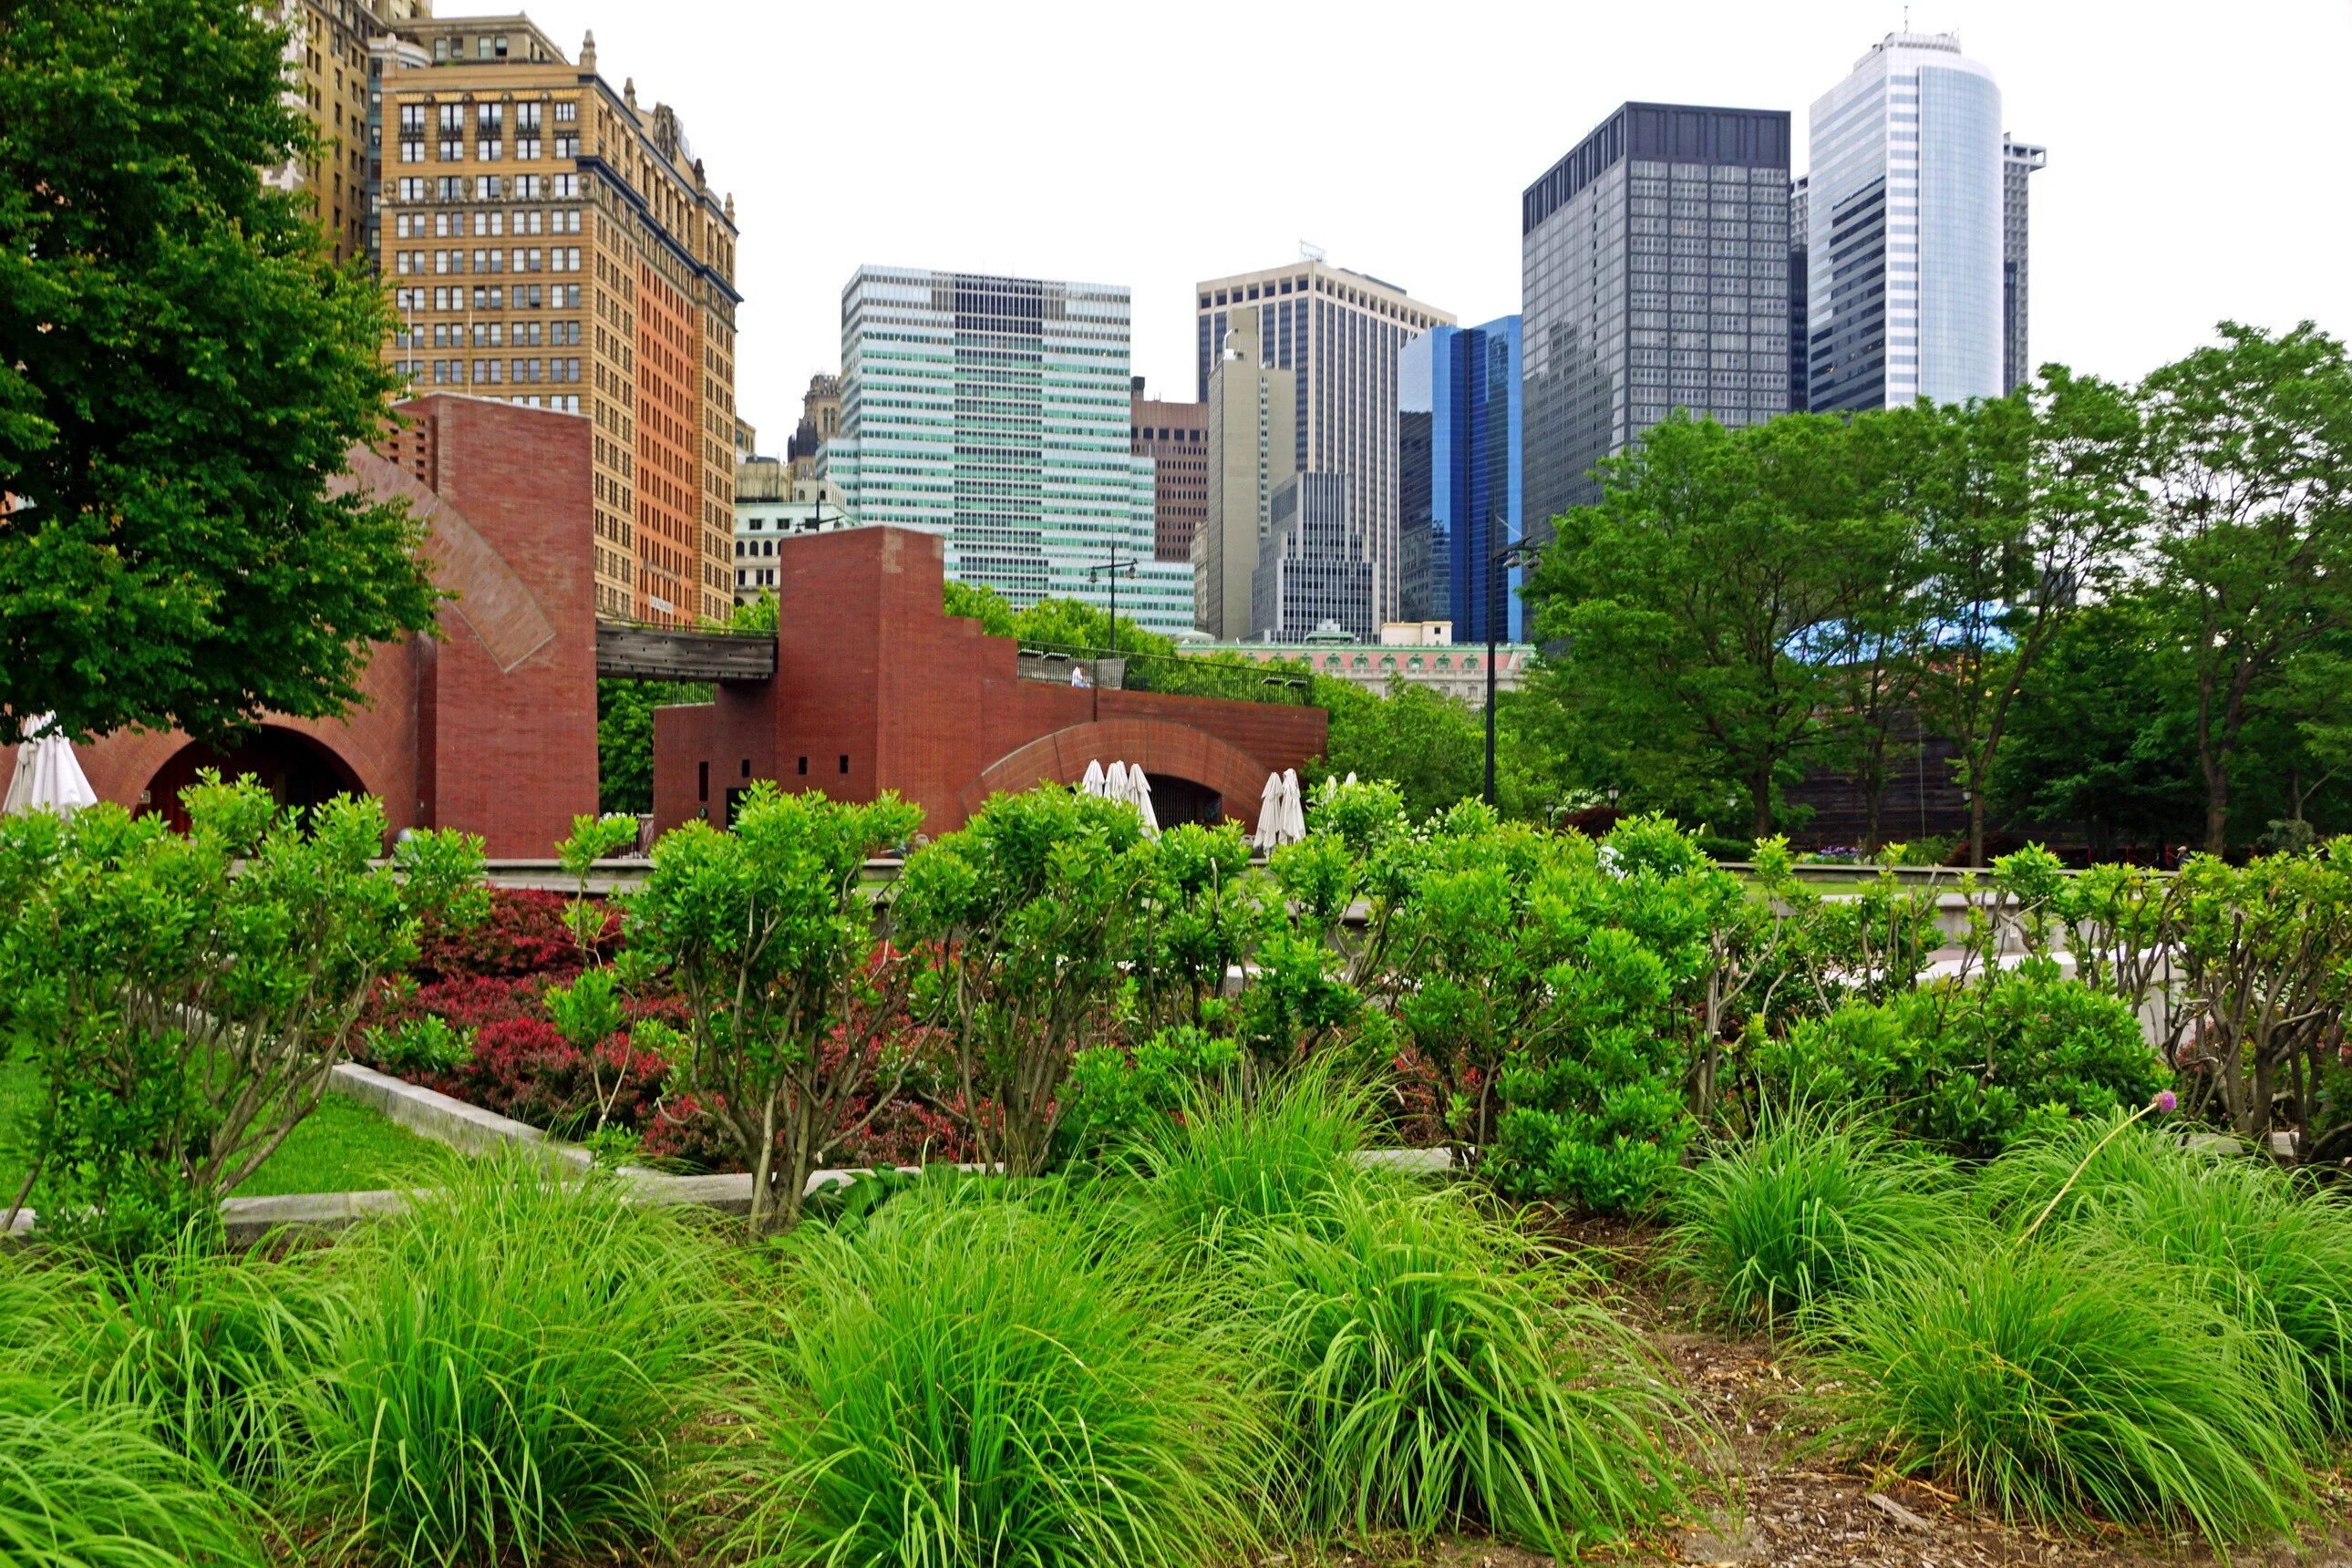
2129 107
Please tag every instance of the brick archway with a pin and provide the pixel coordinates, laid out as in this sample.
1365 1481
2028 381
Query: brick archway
1161 745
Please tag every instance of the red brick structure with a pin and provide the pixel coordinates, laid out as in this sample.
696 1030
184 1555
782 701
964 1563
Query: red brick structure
492 726
878 688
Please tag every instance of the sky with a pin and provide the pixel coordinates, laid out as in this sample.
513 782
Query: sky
2200 166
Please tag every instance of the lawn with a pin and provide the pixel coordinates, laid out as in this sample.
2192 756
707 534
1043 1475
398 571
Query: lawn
341 1147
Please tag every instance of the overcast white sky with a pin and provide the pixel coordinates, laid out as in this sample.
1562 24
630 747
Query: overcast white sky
2201 154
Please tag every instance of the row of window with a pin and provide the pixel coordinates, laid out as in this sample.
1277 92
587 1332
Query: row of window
560 259
489 335
414 188
452 150
488 371
493 297
482 224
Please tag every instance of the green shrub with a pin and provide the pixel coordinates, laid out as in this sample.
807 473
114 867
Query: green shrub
2261 1246
1115 1095
1430 1375
961 1385
427 1043
1806 1206
1971 1068
518 1360
2045 1384
85 1488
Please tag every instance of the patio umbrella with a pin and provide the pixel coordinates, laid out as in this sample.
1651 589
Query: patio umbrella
1093 783
1115 781
1269 814
1139 791
1294 811
1352 776
47 778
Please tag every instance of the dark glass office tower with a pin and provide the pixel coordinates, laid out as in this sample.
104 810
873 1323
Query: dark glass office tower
1458 390
1654 275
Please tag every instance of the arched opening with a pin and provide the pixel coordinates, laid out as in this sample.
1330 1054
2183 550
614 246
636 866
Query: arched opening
297 771
1176 800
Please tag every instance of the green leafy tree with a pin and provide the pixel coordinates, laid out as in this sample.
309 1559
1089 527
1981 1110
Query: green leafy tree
2250 465
182 374
764 931
1703 603
186 999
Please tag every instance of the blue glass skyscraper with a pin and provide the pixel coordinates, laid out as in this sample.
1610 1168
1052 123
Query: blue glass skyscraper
1459 429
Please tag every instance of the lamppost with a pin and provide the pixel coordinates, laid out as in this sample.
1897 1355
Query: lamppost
1113 568
1519 552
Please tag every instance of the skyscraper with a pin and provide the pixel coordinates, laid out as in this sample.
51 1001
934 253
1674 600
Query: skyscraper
1907 298
549 242
1316 566
995 411
1253 449
1653 276
1459 440
1338 331
2018 161
1800 270
1175 437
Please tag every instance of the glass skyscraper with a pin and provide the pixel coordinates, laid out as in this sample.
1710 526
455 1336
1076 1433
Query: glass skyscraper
1908 195
1459 455
1653 276
996 411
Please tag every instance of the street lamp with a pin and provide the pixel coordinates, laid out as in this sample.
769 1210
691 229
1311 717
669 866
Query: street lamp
1114 568
1517 553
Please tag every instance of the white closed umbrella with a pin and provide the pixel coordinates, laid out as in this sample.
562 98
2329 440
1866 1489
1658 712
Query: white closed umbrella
1139 791
1293 810
47 776
1114 781
1269 814
1352 776
1092 782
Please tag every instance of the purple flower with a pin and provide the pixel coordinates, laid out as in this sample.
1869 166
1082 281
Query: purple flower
2166 1102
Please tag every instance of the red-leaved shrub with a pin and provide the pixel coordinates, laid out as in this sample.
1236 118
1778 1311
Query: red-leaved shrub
525 932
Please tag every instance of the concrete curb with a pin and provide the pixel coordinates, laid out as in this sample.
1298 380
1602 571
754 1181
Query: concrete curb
469 1129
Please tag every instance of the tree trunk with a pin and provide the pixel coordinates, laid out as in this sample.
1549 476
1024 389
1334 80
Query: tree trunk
1976 826
1760 792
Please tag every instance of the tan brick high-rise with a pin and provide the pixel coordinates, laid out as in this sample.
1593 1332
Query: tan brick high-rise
549 242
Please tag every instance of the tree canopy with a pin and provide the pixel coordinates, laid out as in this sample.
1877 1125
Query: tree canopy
182 374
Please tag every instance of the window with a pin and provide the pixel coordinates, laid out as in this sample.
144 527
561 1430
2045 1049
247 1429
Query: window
412 153
527 187
803 766
567 144
526 147
566 111
844 762
564 187
453 120
449 189
440 52
412 189
486 187
490 224
527 119
482 48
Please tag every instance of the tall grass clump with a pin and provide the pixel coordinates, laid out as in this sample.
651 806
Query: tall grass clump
1231 1163
2046 1386
2262 1244
1430 1372
962 1385
1806 1206
87 1487
519 1358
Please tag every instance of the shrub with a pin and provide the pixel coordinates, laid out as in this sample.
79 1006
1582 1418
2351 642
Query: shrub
419 1046
2260 1245
765 934
525 932
2045 1385
185 999
1972 1068
519 1360
965 1386
1429 1375
1806 1206
90 1488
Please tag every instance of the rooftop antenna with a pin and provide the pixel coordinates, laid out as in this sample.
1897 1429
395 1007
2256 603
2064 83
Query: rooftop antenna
1310 251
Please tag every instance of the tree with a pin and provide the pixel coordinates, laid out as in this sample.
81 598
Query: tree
2022 507
182 374
1431 746
1704 600
2250 465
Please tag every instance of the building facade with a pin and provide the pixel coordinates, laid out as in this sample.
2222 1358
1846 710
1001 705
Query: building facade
1175 437
1799 269
820 422
1252 414
1315 567
1338 332
771 504
1460 449
549 243
1456 672
1653 276
994 411
328 48
1905 294
2019 160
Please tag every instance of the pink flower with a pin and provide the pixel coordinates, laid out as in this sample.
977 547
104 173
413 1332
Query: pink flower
2166 1102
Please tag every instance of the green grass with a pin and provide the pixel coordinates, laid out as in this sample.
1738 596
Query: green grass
512 1370
2048 1385
962 1384
1809 1206
1433 1370
1233 1164
341 1147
